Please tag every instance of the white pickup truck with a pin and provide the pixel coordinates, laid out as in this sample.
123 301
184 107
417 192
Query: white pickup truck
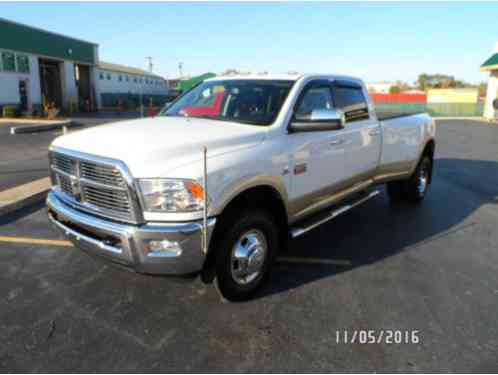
222 178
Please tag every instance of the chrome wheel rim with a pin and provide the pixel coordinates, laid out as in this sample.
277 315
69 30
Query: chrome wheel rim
423 180
248 257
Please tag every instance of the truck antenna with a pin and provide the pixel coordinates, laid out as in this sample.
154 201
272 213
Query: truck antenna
204 213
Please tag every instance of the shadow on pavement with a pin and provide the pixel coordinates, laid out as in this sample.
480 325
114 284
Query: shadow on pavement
379 229
21 213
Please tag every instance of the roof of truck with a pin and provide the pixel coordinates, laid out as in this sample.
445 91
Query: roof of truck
282 77
286 77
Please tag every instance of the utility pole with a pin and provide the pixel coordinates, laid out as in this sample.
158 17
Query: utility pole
141 98
149 59
150 65
180 69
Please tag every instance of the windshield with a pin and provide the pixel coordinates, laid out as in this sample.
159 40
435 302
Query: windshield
246 101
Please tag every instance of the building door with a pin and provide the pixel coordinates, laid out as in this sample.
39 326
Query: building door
51 83
82 76
23 95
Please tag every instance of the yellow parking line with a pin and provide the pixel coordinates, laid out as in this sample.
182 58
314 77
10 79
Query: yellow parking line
35 241
335 262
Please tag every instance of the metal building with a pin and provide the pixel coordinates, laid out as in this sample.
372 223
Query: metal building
39 68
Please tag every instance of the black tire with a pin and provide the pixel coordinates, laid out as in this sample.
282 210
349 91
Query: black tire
250 223
415 188
395 191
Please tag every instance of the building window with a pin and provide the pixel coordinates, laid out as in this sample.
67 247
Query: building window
101 75
135 79
8 61
127 78
22 64
108 76
120 78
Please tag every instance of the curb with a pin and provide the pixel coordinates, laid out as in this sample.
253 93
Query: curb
24 195
64 125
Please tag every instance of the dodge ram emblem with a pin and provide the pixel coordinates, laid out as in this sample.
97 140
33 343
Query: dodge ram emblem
76 188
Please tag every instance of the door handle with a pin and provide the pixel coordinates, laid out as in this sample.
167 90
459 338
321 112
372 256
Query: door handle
374 132
336 142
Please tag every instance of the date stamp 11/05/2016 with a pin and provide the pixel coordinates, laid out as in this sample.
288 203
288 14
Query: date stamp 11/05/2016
372 336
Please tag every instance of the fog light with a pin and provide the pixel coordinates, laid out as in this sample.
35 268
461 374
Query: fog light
158 248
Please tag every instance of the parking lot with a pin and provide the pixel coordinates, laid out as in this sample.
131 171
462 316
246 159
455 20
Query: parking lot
24 156
431 268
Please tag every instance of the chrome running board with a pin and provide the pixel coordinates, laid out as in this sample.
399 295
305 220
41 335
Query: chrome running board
298 231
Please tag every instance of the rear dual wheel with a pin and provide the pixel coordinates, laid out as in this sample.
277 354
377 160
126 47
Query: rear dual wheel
415 188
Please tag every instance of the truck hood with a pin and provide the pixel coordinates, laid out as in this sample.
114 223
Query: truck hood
152 147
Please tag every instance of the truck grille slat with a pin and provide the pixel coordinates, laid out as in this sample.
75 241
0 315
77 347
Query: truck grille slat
117 199
93 186
111 204
65 184
104 174
120 196
107 202
64 163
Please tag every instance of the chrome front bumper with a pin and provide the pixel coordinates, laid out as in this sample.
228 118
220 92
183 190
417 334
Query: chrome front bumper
128 245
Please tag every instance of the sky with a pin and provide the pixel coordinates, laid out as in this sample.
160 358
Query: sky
375 41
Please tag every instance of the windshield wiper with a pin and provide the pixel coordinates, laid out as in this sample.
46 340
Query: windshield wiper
227 119
172 115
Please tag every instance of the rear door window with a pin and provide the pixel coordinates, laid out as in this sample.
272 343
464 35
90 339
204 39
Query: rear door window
350 98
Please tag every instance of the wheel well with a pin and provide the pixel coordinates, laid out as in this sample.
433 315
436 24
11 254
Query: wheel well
265 198
429 150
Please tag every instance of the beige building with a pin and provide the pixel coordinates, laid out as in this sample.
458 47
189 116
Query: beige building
465 95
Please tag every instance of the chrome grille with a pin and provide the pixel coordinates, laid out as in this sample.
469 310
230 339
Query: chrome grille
65 184
64 163
107 198
103 174
98 187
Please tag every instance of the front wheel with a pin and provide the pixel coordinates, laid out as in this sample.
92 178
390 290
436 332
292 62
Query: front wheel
245 254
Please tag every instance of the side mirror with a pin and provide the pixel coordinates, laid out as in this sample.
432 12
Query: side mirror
319 120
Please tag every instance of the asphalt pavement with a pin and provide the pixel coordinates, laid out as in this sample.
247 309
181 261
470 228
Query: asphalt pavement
23 157
431 268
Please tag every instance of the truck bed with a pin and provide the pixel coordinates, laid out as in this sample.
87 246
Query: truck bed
382 116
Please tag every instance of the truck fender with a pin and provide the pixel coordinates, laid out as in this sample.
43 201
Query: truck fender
245 183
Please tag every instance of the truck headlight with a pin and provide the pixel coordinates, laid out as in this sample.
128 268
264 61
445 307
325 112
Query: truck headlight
170 195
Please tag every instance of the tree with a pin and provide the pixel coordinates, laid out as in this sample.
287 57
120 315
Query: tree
427 81
394 90
230 72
